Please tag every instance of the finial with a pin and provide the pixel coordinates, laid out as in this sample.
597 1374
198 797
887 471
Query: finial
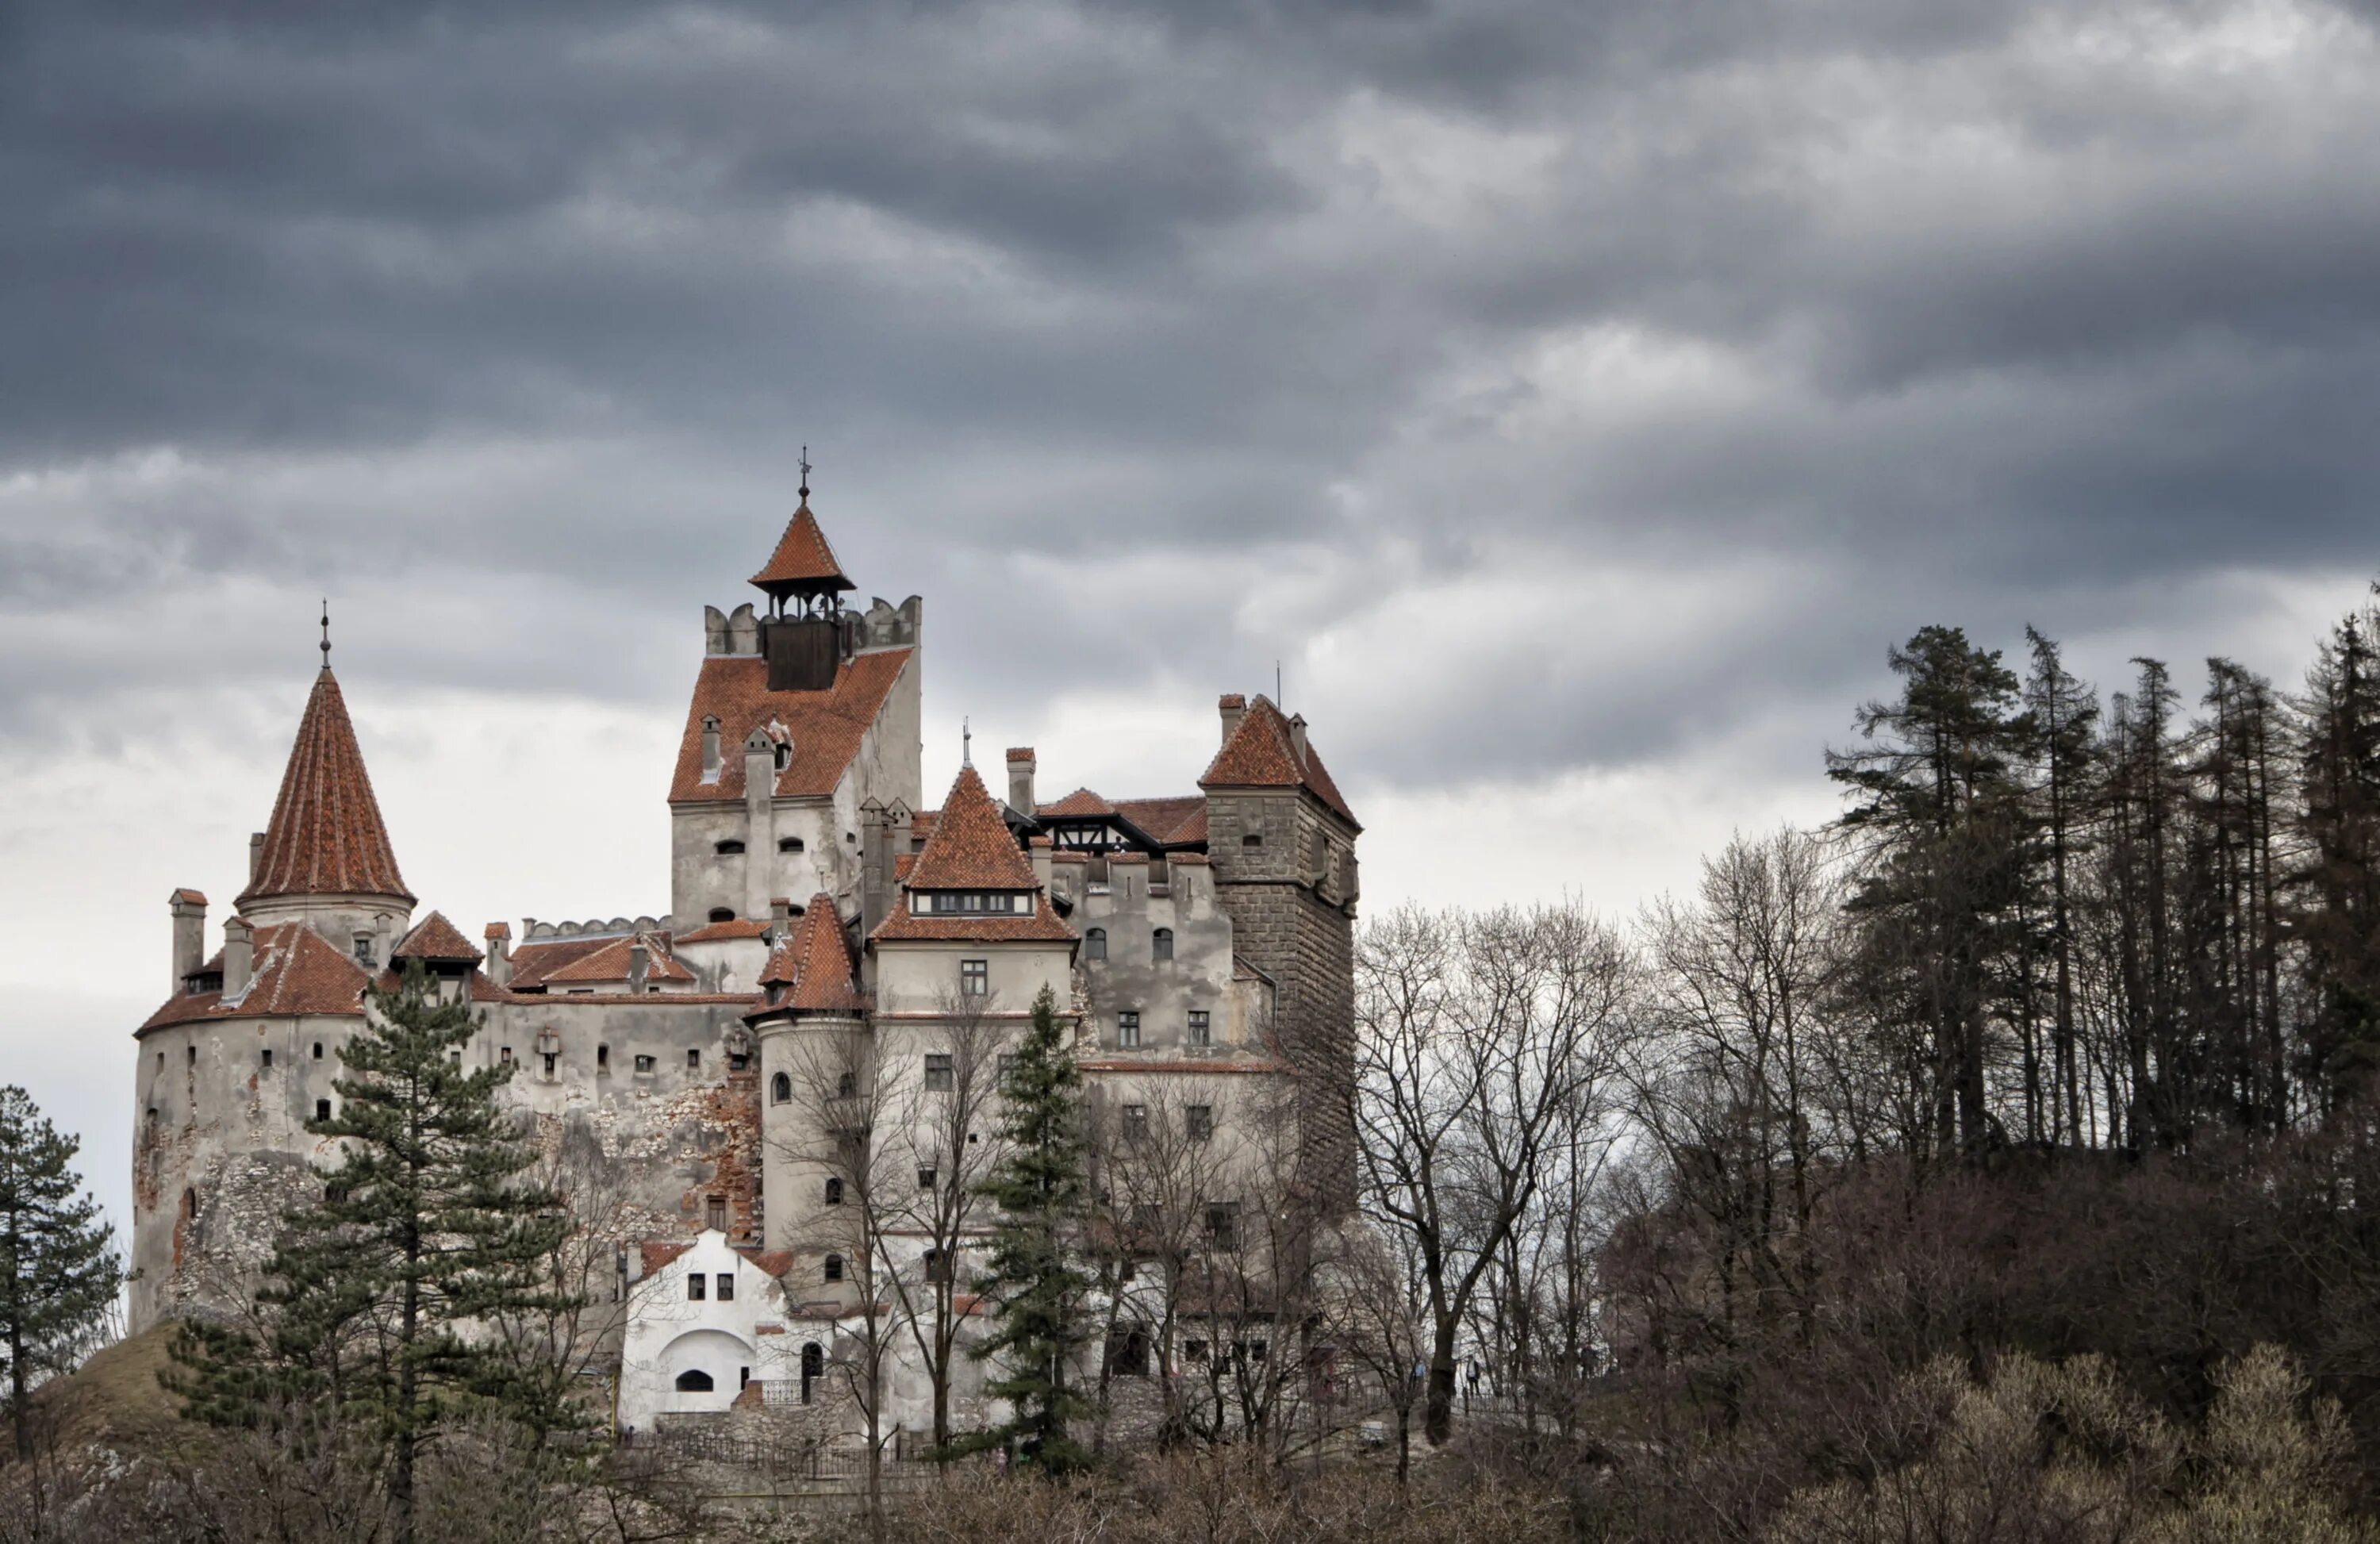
805 474
966 744
326 632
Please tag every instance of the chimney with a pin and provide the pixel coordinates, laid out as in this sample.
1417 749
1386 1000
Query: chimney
781 918
189 909
500 953
639 965
1297 738
875 864
239 956
1231 705
255 856
384 941
1020 779
710 762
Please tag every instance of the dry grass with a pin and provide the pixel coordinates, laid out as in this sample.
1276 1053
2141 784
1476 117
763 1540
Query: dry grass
113 1398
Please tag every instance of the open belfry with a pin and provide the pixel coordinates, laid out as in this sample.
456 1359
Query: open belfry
1198 945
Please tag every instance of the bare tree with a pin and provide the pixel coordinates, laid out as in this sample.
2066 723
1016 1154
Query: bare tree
1478 1037
1376 1308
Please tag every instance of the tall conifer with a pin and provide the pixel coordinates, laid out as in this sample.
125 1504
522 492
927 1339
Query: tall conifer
59 1270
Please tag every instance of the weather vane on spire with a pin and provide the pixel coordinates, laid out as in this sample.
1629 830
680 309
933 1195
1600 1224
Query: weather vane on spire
806 472
967 742
326 632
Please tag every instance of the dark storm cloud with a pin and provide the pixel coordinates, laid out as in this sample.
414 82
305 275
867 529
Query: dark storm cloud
1246 330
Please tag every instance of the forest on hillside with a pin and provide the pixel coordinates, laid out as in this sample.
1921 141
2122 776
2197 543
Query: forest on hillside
1993 1163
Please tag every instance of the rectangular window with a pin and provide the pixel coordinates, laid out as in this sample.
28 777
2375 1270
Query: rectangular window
727 1287
694 1061
321 1109
973 902
602 1058
974 978
644 1064
714 1212
697 1284
1223 1224
505 1054
1135 1121
925 1179
1200 1036
318 1051
550 1057
1128 1031
1199 1122
1194 1351
939 1079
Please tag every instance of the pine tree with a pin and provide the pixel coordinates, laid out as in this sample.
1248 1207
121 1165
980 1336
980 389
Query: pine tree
59 1270
1034 1280
427 1232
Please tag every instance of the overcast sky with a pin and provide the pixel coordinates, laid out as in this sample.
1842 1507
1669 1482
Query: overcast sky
1574 398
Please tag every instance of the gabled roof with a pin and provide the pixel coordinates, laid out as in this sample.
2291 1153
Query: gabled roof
326 836
1260 755
435 938
811 969
971 847
1081 803
609 962
1181 817
825 727
802 560
296 971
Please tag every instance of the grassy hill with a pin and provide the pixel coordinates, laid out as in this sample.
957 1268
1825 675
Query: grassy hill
114 1397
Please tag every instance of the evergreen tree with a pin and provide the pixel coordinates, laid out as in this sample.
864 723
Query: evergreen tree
426 1233
59 1270
2062 716
2339 882
1034 1280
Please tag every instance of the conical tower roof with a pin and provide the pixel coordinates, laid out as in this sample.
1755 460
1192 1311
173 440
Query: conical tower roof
803 560
971 847
326 836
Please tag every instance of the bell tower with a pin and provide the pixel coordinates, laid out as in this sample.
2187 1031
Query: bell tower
802 636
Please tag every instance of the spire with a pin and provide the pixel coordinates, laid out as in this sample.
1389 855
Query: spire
803 563
326 632
326 836
971 847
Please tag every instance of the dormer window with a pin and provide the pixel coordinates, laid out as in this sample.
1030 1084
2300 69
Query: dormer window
364 949
728 848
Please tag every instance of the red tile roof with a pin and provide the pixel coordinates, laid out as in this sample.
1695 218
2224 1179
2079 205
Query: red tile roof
1259 755
1179 818
712 932
326 836
497 929
971 847
295 972
826 726
533 959
801 558
435 938
811 969
1042 927
190 896
654 1253
1081 802
610 963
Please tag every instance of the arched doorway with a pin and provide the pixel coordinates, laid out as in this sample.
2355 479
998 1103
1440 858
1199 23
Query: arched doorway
813 1367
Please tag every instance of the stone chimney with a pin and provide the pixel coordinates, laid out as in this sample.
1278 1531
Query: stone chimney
781 918
255 856
1297 738
189 909
875 864
1231 705
710 762
500 953
239 956
639 965
1020 779
759 820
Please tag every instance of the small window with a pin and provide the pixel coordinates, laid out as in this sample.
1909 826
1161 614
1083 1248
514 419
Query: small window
938 1265
728 848
334 1195
644 1064
727 1287
363 948
973 901
602 1058
1199 1122
694 1381
846 1085
723 914
1223 1224
714 1212
318 1051
925 1179
268 1061
785 756
832 1270
737 1060
1095 945
1194 1351
693 1060
1200 1035
1007 1065
789 843
974 978
1161 944
781 1089
191 1054
833 1191
505 1054
1252 839
939 1076
1135 1121
550 1058
1128 1031
697 1286
321 1109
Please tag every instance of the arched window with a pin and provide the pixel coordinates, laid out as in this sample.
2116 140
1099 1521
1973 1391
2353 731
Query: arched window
789 843
723 914
694 1381
781 1089
833 1191
834 1269
1161 944
1095 945
728 848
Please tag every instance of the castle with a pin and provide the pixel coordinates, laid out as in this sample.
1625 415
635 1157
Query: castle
827 938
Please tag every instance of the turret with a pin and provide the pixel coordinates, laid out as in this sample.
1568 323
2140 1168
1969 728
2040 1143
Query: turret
801 637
